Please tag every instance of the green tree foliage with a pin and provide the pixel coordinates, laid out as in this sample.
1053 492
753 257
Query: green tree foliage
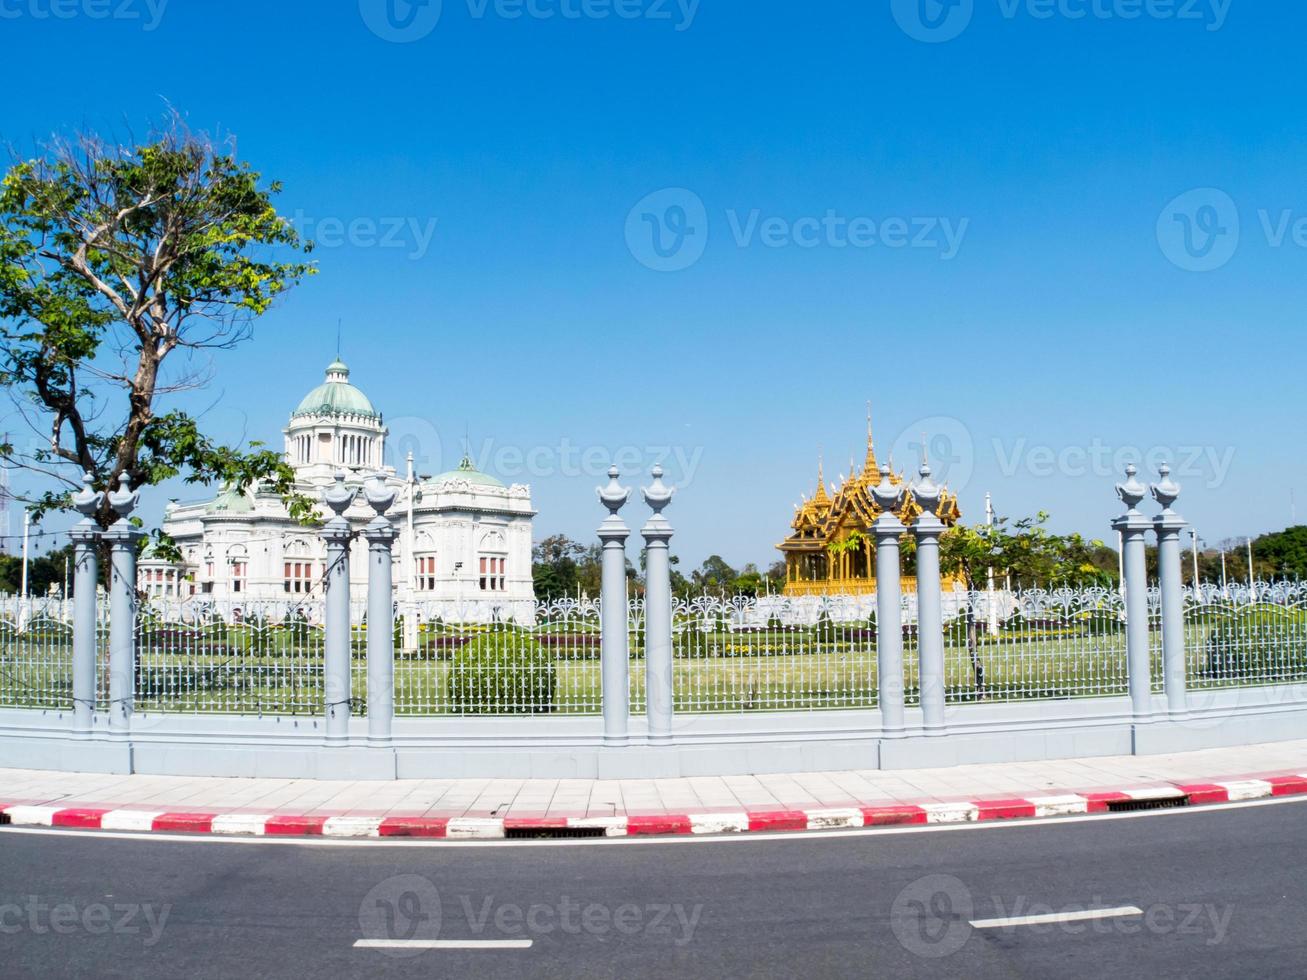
43 571
562 568
1024 551
112 259
1282 554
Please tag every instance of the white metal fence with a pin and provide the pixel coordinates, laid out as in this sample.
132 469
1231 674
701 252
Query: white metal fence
729 655
1238 636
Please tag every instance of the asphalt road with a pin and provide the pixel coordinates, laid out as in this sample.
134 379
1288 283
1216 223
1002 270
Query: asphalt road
1219 892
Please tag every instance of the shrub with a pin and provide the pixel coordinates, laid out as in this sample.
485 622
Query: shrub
1258 643
502 673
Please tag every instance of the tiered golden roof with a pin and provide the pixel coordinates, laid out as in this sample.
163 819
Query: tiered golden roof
831 549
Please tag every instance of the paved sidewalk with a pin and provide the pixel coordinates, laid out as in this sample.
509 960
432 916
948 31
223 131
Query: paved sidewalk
487 807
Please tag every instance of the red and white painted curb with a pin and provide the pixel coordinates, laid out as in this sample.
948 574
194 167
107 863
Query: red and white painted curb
710 822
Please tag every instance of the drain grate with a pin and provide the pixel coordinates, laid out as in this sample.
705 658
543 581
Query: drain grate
551 833
1157 803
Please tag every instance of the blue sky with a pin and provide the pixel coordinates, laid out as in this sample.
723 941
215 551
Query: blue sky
982 234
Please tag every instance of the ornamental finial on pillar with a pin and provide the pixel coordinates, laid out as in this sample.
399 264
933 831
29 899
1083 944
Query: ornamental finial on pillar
87 500
124 499
926 492
1131 491
338 496
378 494
614 496
888 496
1166 491
658 495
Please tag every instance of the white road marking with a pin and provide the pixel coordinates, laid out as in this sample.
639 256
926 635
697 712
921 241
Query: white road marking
672 841
443 943
1036 920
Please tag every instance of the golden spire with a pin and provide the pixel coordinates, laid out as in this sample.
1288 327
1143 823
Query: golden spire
820 497
871 467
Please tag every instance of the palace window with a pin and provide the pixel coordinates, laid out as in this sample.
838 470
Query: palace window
492 574
238 570
297 577
426 572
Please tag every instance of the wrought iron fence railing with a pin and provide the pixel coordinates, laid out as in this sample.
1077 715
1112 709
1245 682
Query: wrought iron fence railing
729 655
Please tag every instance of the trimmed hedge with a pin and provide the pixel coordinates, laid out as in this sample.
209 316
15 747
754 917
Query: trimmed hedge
502 673
1258 643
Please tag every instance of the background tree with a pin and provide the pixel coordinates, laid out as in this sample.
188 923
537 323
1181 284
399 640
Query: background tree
562 568
43 571
1281 554
112 260
1025 552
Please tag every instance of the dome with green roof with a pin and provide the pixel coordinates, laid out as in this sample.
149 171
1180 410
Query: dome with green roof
231 501
336 396
466 471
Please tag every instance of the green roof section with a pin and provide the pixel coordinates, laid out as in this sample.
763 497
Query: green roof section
466 471
336 396
231 501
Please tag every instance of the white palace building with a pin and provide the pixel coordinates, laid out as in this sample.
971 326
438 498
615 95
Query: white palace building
464 545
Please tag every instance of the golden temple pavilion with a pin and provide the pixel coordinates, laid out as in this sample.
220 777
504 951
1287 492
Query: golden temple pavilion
831 550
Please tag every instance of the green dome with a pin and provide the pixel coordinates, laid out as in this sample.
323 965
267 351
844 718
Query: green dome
231 501
466 471
336 396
